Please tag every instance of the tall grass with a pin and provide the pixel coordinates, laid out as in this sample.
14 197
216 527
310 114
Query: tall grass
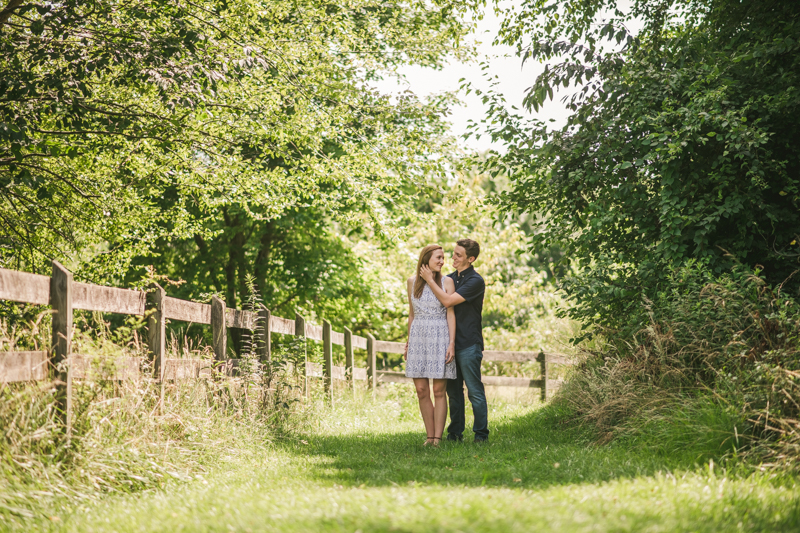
716 360
122 440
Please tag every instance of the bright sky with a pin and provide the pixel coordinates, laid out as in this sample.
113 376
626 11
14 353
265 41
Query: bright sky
513 80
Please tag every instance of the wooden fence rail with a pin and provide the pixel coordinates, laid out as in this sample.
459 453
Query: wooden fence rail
64 295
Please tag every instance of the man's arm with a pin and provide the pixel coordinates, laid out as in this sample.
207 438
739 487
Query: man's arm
448 300
450 288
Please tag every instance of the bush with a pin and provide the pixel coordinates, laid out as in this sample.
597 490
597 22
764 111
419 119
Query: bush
720 352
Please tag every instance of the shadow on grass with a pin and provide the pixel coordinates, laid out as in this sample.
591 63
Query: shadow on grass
528 451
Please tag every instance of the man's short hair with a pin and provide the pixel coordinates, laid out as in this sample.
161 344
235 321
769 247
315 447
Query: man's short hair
472 248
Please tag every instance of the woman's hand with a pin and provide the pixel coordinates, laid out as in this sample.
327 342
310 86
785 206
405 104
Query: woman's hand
451 354
426 273
405 353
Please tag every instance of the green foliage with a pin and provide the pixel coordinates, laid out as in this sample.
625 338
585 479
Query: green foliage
718 356
124 126
297 261
680 145
519 306
735 317
203 144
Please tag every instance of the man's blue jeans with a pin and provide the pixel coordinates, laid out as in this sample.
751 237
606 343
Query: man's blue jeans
468 370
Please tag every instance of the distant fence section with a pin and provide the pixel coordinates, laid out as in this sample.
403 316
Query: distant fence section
64 295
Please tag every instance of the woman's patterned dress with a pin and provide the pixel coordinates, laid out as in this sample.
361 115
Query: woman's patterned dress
428 339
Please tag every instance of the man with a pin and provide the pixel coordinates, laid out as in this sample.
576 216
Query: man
467 302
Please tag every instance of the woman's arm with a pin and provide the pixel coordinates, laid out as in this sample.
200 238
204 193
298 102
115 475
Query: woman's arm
410 286
450 288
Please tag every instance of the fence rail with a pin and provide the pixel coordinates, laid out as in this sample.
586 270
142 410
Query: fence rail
65 295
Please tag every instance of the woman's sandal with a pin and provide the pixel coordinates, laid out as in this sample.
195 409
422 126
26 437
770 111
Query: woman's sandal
429 441
436 444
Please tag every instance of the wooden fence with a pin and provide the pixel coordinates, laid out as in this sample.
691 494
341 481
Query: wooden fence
64 295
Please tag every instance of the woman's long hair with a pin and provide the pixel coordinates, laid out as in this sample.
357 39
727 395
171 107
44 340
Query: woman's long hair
424 259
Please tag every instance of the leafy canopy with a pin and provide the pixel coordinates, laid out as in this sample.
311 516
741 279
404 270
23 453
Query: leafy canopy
682 142
124 125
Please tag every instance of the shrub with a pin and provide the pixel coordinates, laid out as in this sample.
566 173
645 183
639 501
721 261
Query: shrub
726 346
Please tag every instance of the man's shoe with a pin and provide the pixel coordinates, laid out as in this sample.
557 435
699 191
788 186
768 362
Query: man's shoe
481 441
455 438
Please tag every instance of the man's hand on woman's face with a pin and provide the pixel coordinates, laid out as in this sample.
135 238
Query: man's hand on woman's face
426 273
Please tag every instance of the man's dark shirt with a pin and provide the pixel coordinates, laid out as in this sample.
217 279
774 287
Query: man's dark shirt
471 287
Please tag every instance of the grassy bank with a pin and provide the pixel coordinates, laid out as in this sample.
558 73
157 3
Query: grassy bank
360 466
711 362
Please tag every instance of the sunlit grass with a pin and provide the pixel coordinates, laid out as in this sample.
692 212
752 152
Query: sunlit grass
361 466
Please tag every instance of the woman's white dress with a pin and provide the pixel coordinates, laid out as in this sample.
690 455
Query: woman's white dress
428 339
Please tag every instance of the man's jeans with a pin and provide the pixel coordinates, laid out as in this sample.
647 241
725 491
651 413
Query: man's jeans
468 370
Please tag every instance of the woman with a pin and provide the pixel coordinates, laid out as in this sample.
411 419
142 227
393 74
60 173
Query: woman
430 350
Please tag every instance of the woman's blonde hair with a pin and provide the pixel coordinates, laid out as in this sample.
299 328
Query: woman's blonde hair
424 259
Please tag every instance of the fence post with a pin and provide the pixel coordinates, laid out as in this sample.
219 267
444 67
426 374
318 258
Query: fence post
264 345
300 331
219 329
349 364
372 375
543 362
61 303
156 336
327 350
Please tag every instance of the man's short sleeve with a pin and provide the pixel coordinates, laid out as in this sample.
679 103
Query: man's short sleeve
472 288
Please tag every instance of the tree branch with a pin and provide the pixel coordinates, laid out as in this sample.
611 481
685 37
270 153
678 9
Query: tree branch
286 301
6 13
64 180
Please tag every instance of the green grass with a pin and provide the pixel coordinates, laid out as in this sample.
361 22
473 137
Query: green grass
361 466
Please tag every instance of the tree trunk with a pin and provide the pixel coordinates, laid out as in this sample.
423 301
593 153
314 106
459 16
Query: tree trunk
235 247
261 266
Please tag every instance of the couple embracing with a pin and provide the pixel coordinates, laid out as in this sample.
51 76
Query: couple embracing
445 342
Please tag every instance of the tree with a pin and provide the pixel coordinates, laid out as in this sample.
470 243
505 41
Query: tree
518 312
125 126
296 261
681 145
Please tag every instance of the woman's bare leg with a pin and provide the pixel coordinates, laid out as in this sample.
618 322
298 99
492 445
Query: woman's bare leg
425 405
440 407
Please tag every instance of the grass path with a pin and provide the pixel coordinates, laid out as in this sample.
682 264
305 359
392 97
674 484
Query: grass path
361 467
